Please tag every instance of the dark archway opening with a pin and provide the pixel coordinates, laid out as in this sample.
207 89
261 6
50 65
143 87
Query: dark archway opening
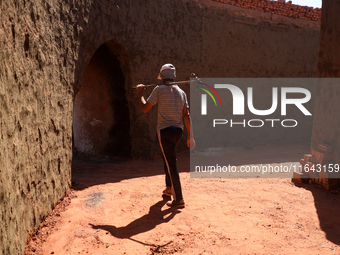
101 122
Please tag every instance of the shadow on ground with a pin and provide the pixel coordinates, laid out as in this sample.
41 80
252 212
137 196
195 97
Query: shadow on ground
327 207
143 224
91 172
86 172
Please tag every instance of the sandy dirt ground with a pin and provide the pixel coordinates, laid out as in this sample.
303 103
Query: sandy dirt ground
116 207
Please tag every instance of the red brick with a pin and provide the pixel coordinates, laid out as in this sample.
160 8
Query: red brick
322 156
330 184
278 7
308 157
297 177
325 148
319 161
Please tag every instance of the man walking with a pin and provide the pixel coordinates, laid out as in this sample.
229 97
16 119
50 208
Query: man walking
172 107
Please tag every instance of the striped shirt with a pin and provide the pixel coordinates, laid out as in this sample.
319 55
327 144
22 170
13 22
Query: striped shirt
171 102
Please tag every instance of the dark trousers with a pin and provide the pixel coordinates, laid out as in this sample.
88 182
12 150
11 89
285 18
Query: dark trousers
169 139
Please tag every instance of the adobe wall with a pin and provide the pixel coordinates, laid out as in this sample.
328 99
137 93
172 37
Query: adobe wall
212 41
46 46
326 117
38 49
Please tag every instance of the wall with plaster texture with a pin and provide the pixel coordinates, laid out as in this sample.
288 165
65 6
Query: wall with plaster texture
38 49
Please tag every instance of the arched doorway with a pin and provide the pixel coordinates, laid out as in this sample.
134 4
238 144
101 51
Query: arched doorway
101 122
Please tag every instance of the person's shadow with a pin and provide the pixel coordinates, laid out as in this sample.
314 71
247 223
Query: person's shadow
143 224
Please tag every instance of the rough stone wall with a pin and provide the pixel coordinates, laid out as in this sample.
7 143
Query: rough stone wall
37 62
46 46
326 117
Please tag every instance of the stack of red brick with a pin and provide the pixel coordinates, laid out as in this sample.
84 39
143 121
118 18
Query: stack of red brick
319 168
279 7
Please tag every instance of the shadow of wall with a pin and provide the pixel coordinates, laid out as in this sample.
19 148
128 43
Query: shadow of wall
327 206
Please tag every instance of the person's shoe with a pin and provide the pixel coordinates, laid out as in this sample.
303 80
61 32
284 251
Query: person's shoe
175 203
167 192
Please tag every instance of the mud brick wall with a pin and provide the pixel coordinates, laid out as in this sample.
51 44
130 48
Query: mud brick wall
37 62
326 117
45 47
211 41
280 7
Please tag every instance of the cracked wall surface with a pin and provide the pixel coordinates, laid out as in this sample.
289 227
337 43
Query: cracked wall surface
46 45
